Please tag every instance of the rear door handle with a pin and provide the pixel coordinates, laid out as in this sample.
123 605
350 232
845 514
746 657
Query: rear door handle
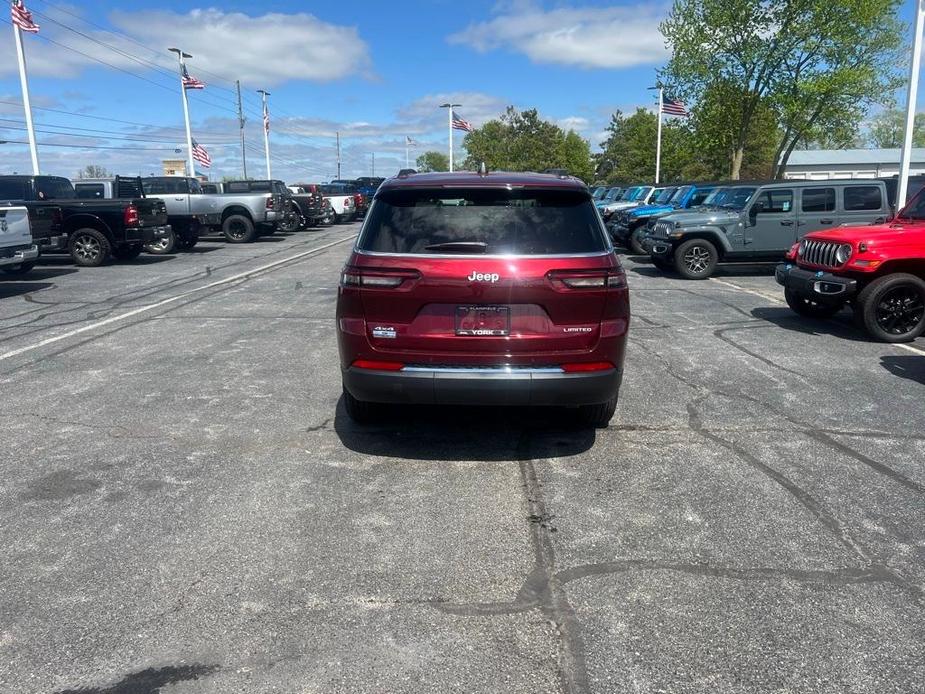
880 220
179 199
787 223
826 221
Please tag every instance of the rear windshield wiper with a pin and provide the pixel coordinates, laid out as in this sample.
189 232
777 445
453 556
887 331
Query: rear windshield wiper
459 247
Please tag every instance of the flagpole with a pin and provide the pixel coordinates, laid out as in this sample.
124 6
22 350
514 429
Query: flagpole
449 121
266 129
407 165
189 133
911 99
27 105
658 141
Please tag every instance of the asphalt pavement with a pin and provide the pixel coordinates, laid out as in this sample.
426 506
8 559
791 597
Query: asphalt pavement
185 507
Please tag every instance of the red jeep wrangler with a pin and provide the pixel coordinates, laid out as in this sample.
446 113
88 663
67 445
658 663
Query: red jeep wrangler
878 269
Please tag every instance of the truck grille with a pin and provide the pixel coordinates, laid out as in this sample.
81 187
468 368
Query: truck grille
822 253
662 229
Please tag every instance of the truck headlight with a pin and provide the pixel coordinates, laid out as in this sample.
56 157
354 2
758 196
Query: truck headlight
801 249
842 253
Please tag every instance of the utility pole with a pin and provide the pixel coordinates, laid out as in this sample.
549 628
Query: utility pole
912 97
449 117
373 174
266 128
21 55
337 135
241 121
181 57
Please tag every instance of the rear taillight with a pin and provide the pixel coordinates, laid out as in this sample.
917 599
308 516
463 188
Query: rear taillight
376 279
269 203
378 365
585 367
130 217
569 279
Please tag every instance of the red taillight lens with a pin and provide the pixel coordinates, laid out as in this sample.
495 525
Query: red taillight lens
566 279
269 203
376 279
378 365
131 217
587 366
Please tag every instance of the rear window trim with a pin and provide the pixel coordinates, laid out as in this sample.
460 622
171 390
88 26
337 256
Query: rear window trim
609 248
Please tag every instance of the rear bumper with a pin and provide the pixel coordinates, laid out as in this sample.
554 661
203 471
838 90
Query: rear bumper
18 254
462 386
821 287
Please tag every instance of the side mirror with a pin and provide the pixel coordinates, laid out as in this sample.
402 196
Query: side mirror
753 213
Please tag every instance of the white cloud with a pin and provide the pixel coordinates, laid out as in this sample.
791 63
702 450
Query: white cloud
577 123
264 50
589 37
476 107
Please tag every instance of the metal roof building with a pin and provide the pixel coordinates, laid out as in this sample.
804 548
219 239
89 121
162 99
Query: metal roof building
823 164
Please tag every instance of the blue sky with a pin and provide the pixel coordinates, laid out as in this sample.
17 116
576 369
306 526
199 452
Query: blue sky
373 71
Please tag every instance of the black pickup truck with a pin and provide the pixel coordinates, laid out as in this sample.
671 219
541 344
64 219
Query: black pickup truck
92 231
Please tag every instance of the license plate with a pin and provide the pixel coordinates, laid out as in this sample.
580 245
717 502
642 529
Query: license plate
494 321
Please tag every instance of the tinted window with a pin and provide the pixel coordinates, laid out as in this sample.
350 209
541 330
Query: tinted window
662 197
700 196
53 188
737 198
238 187
775 201
89 190
12 189
194 186
334 189
163 186
818 200
524 222
862 198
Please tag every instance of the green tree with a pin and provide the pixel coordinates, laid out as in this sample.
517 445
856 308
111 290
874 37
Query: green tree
887 129
433 161
818 64
628 153
522 141
94 171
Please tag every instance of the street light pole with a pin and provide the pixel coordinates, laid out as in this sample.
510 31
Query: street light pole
911 98
181 57
449 117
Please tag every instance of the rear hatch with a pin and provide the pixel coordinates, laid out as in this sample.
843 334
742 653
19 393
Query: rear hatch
484 275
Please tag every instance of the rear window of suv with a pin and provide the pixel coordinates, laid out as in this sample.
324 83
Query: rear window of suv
505 222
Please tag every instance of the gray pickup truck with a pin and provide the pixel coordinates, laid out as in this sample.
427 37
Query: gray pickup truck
241 217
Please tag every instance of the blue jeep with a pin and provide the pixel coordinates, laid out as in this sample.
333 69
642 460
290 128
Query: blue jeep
627 226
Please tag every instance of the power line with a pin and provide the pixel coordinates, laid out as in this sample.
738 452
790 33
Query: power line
124 149
126 136
98 137
87 115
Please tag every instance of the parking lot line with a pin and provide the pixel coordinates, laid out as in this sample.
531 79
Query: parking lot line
910 348
170 300
755 292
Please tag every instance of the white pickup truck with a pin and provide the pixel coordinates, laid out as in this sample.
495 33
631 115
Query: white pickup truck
17 251
342 201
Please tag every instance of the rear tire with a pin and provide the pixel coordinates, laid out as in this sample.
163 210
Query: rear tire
164 245
809 308
185 244
892 308
635 243
360 411
598 416
88 247
695 259
238 229
291 221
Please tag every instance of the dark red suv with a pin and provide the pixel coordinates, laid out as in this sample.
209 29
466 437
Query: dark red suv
483 289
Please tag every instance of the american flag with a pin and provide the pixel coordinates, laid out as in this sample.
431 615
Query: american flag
266 117
674 107
191 82
23 17
461 123
410 141
201 155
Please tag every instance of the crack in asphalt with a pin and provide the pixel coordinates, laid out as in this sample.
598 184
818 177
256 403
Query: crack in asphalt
721 335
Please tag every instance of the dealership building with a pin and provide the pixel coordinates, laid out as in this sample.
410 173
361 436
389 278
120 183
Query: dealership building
823 164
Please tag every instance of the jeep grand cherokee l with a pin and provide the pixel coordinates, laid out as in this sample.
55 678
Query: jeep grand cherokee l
483 289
